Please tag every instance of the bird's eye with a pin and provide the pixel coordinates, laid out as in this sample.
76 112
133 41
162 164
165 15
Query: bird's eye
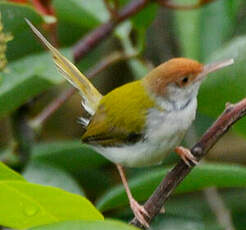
182 82
185 80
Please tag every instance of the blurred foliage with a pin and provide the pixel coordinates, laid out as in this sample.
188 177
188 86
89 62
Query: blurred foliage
31 205
89 225
143 186
4 38
61 175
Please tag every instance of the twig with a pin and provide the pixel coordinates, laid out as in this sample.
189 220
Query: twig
154 204
112 9
171 5
91 40
108 61
217 205
50 109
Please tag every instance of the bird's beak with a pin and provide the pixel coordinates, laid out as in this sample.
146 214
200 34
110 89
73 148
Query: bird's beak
209 68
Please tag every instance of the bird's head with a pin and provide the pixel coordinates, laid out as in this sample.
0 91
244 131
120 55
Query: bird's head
178 80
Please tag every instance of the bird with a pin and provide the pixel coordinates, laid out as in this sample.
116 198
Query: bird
139 123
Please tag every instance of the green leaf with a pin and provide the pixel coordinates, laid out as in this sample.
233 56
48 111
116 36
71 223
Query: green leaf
70 155
13 20
90 14
145 17
41 173
26 78
176 222
217 26
187 25
195 206
83 13
25 205
138 68
202 31
87 225
228 84
201 177
8 174
76 158
76 17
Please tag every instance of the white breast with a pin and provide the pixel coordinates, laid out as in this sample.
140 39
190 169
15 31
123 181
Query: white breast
163 125
165 130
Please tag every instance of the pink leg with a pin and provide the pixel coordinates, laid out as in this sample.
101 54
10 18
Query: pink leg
186 155
138 210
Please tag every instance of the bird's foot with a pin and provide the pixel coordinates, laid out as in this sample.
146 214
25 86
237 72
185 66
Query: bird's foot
139 212
186 155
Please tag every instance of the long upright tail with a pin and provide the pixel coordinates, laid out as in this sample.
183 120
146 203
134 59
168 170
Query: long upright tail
90 95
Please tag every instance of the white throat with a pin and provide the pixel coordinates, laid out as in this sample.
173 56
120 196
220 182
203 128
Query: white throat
178 98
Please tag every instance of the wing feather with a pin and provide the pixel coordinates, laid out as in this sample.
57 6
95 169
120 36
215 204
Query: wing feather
121 116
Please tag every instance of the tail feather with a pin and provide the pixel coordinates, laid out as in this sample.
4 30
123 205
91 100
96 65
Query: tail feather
90 95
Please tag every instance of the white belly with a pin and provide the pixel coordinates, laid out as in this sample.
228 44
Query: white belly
165 130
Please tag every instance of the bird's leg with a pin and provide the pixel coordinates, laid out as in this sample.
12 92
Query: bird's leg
186 155
138 210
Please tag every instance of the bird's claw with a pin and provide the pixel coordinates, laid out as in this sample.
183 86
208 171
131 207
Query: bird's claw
186 155
139 212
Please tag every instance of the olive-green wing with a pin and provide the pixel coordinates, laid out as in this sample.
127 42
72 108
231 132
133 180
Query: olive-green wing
120 117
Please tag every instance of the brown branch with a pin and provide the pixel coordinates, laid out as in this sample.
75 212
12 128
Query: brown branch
171 5
108 61
154 204
91 40
51 108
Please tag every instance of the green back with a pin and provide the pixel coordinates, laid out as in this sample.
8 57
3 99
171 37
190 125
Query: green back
120 117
